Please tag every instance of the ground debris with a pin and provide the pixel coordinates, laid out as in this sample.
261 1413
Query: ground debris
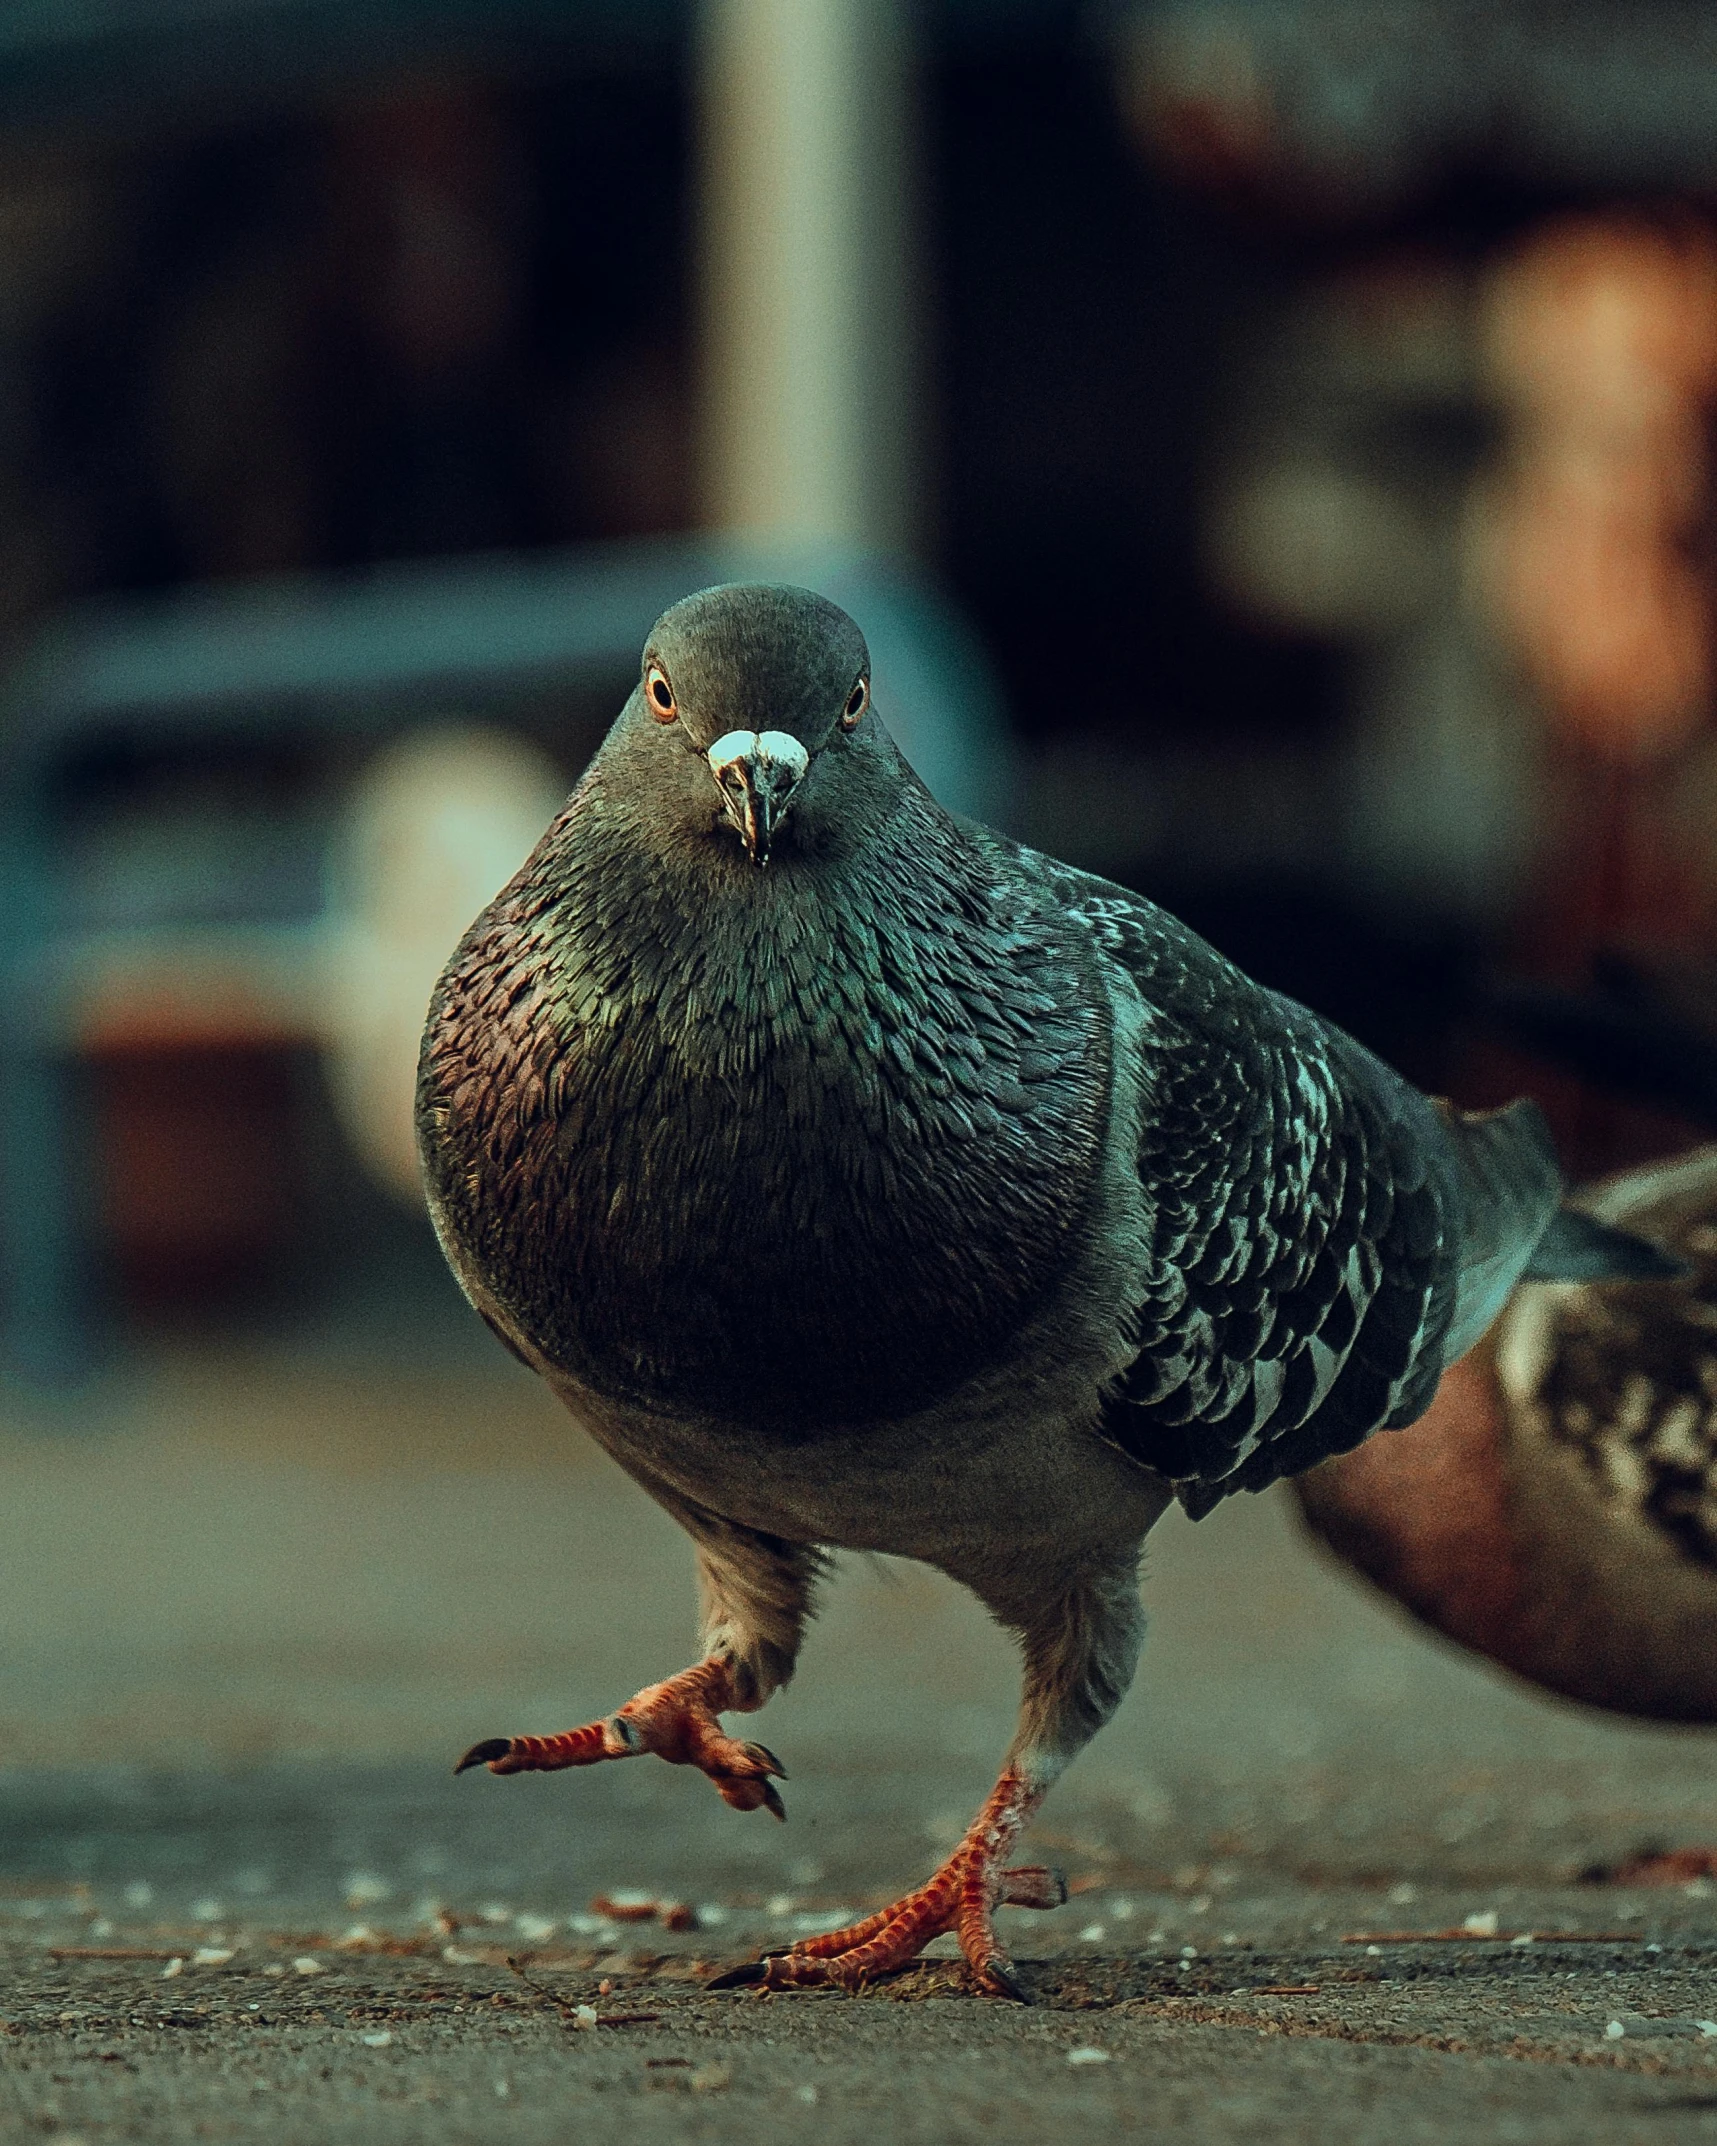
1656 1866
1465 1935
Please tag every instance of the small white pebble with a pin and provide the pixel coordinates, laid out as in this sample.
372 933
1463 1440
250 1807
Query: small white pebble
175 1966
1200 1906
1481 1925
590 1925
1707 2027
358 1935
1654 1948
1088 2055
1614 2031
205 1911
1403 1896
496 1911
364 1889
1157 1937
1091 1934
138 1894
308 1964
101 1927
709 1916
1189 1952
1230 1937
1699 1888
503 2087
381 2039
534 1928
1525 1938
1122 1910
584 2018
779 1904
211 1955
806 2094
275 1969
1374 1952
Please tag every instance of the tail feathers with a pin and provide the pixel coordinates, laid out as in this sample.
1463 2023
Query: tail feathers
1514 1226
1510 1186
1575 1248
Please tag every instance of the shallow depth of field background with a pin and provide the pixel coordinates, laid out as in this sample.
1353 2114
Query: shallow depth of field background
1270 445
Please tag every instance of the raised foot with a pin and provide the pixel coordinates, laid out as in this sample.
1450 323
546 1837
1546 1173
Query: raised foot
676 1720
962 1897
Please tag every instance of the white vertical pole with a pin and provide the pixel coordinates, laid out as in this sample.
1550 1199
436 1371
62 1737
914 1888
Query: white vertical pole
809 394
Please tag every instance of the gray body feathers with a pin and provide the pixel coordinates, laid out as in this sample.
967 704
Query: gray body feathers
867 1096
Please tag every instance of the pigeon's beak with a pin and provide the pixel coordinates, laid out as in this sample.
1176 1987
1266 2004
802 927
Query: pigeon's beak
757 773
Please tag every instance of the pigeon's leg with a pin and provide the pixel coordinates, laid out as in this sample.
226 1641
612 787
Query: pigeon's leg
756 1594
1080 1652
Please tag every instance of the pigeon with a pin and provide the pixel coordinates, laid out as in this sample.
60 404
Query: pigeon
865 1181
1555 1511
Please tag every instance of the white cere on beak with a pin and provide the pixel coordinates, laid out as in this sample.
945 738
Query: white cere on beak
774 749
757 773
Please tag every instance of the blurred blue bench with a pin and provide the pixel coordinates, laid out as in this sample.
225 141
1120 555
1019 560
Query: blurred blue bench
238 667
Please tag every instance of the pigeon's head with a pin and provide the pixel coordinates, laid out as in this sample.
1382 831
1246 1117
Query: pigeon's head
763 685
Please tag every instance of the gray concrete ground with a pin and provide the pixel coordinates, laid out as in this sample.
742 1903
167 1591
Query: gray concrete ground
250 1619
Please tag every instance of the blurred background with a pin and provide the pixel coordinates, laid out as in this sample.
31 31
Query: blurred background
1268 443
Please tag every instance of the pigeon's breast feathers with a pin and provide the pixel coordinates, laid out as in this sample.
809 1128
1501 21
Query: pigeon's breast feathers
803 1145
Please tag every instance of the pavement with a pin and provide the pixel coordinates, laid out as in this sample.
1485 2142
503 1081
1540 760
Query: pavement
1330 1878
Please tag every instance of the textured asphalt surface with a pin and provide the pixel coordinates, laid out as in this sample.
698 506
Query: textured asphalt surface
1331 1881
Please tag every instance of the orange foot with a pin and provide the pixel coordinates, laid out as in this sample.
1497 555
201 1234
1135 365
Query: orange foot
676 1720
962 1897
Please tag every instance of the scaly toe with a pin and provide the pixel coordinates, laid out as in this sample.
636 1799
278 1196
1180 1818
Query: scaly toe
749 1792
1032 1886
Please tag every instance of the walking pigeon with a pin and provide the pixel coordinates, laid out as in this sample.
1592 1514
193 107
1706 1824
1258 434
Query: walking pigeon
863 1180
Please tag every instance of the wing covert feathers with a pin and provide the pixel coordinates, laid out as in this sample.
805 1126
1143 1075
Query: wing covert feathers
1323 1239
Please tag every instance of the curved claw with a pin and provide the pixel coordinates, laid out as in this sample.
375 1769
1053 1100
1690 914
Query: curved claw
740 1978
485 1753
997 1976
766 1758
772 1801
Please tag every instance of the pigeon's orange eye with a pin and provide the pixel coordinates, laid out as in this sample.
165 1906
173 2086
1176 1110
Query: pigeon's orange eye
662 704
855 704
